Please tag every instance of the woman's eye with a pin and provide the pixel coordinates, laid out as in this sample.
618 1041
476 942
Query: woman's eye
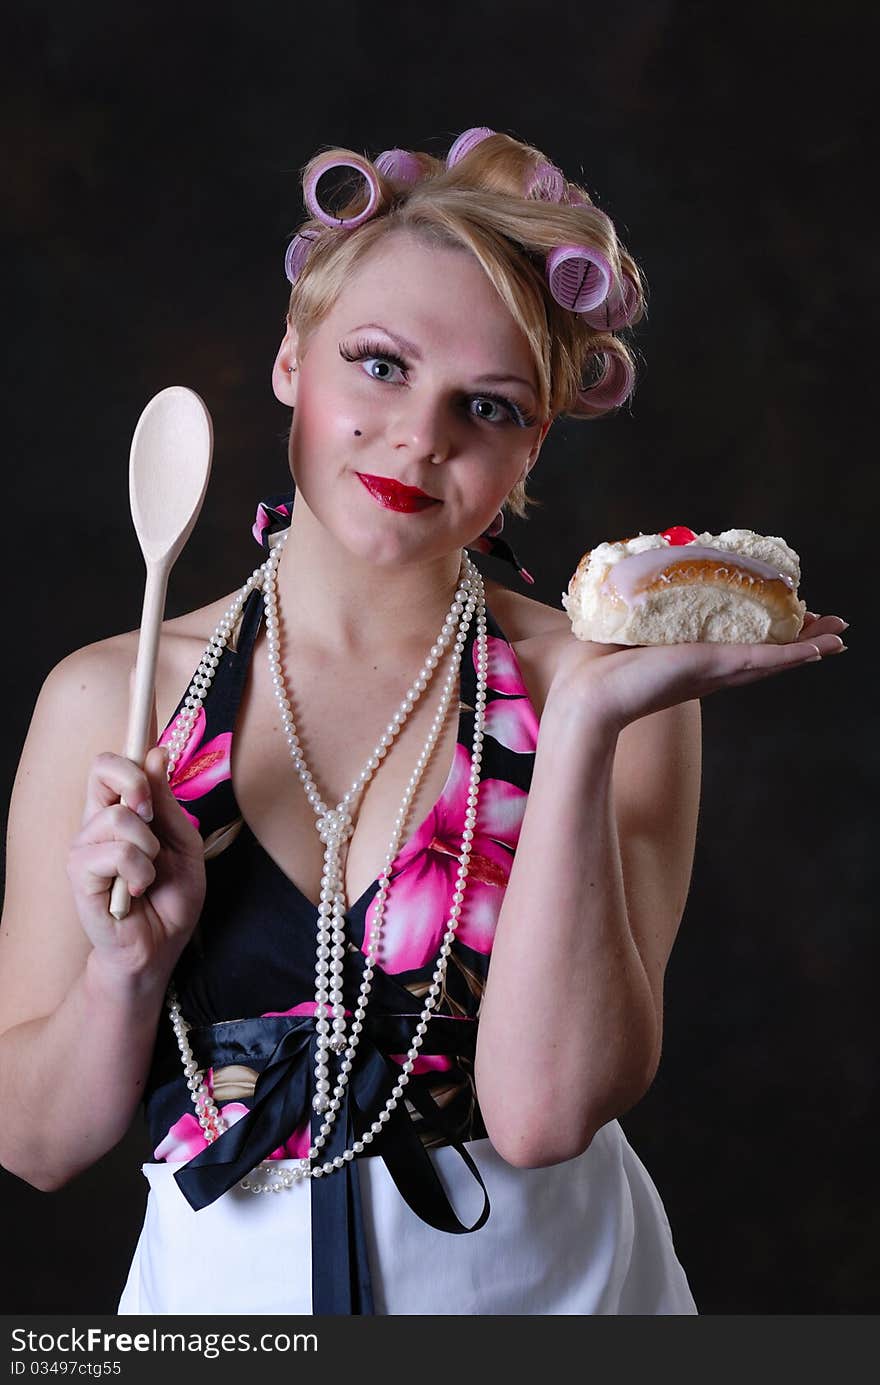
491 404
380 367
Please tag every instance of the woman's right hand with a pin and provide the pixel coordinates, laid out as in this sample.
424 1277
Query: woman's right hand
161 861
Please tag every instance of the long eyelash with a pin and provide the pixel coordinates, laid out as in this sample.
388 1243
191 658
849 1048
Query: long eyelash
362 350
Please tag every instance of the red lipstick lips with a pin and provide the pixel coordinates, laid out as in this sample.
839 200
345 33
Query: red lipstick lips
395 496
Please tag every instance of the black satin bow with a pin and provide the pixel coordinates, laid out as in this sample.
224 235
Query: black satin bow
282 1100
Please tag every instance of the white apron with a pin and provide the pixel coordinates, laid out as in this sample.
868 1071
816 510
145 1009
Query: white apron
589 1236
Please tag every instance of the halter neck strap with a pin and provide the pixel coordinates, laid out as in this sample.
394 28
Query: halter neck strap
273 517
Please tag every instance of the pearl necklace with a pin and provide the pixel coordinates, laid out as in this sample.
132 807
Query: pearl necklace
335 828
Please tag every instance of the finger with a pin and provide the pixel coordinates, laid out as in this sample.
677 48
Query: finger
112 777
763 661
769 656
821 643
170 820
825 641
92 868
821 625
118 823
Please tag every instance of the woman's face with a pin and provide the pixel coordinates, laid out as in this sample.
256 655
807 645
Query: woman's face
418 374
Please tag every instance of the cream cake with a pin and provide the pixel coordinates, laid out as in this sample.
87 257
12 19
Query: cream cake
679 587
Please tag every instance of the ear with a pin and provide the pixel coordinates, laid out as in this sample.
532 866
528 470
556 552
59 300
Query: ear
533 455
284 372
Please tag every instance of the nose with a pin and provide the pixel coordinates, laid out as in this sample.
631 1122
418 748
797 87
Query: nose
421 428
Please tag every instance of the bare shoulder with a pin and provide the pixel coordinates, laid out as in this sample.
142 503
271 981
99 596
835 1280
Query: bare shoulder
101 670
537 632
668 739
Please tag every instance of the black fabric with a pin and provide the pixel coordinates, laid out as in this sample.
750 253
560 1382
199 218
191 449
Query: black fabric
253 953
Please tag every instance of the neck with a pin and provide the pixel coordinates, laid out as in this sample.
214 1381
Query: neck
350 607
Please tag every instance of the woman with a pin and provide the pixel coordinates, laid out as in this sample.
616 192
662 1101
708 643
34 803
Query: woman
307 1011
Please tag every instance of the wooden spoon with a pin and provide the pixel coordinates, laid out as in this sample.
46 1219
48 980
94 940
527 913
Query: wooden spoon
169 470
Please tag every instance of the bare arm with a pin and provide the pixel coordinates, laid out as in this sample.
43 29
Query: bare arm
571 1022
572 1017
80 994
70 1082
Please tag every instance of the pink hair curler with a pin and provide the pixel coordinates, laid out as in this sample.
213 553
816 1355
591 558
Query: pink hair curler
400 165
546 184
466 142
349 222
614 385
618 309
579 277
298 253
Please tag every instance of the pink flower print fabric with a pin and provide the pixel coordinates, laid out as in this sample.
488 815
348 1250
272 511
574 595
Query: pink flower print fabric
510 720
425 872
202 765
272 518
424 875
186 1138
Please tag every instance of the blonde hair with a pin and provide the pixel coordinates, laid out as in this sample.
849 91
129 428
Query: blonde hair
480 204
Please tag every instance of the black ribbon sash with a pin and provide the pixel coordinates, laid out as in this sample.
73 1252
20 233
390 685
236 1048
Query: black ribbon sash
282 1100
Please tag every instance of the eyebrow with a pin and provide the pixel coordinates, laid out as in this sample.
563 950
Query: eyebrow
412 350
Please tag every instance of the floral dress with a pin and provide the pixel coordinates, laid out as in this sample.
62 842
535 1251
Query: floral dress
405 1227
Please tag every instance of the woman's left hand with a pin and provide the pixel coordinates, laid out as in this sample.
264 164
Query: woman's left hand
621 683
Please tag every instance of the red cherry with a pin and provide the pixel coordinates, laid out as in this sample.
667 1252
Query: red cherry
678 534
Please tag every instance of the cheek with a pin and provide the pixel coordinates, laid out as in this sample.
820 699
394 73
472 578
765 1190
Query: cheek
328 416
479 497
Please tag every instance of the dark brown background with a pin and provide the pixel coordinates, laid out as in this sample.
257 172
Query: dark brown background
149 192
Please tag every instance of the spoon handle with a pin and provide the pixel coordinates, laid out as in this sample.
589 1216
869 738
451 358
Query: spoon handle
143 694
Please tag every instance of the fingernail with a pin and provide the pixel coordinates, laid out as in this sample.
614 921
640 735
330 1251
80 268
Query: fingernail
844 625
145 811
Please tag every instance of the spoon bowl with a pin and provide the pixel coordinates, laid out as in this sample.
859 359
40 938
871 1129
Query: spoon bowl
169 470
